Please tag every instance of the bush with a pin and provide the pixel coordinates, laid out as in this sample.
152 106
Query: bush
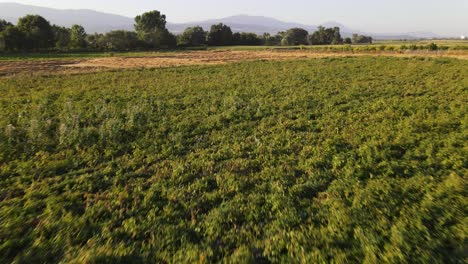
432 47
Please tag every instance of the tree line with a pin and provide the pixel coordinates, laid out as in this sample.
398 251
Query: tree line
35 33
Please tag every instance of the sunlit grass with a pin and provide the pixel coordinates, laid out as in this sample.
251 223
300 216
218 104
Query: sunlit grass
313 161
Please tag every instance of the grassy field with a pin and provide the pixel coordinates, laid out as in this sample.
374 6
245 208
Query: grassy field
333 160
446 45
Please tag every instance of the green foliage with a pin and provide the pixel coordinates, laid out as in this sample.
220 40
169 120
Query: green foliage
326 36
150 22
117 40
220 35
433 47
12 39
246 39
38 33
151 28
4 24
270 40
294 37
338 160
193 36
62 37
360 39
159 39
77 37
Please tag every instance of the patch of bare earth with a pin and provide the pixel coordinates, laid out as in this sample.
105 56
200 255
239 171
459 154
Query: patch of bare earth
34 67
222 57
159 60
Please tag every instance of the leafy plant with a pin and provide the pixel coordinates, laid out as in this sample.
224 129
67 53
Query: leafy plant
323 160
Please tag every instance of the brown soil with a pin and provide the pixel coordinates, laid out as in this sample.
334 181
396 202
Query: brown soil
158 60
34 66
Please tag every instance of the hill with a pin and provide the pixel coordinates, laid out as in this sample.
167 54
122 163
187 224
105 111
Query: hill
245 23
93 21
100 22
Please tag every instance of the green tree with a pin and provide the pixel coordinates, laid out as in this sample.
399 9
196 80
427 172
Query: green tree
360 39
270 40
119 40
246 39
150 22
164 39
326 36
12 39
62 36
192 36
4 24
94 41
151 28
348 40
37 31
77 37
295 36
220 35
337 39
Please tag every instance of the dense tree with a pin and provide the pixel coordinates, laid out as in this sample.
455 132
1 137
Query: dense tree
337 39
295 36
220 35
93 41
37 31
192 36
274 40
163 39
151 28
62 36
12 39
150 22
78 37
348 40
249 39
236 38
119 40
360 39
326 36
4 24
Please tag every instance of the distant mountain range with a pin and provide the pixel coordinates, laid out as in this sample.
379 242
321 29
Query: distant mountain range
100 22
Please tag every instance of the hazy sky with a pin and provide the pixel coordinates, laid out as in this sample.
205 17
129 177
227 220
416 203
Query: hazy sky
448 17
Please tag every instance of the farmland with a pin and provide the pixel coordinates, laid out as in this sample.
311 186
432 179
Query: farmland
67 63
296 158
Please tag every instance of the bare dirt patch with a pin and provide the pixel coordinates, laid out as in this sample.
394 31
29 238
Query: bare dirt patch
159 60
34 66
222 57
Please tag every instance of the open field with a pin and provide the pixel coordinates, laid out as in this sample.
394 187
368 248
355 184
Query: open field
172 59
440 42
293 157
452 45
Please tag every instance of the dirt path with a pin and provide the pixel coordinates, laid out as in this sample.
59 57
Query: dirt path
159 60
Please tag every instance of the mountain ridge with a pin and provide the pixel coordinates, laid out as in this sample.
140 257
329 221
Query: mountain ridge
100 22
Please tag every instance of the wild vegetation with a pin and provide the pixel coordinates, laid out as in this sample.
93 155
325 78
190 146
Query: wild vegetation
338 160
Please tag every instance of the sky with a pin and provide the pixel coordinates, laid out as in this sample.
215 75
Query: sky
445 17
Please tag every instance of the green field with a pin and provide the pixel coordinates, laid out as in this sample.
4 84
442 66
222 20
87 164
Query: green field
337 160
378 46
